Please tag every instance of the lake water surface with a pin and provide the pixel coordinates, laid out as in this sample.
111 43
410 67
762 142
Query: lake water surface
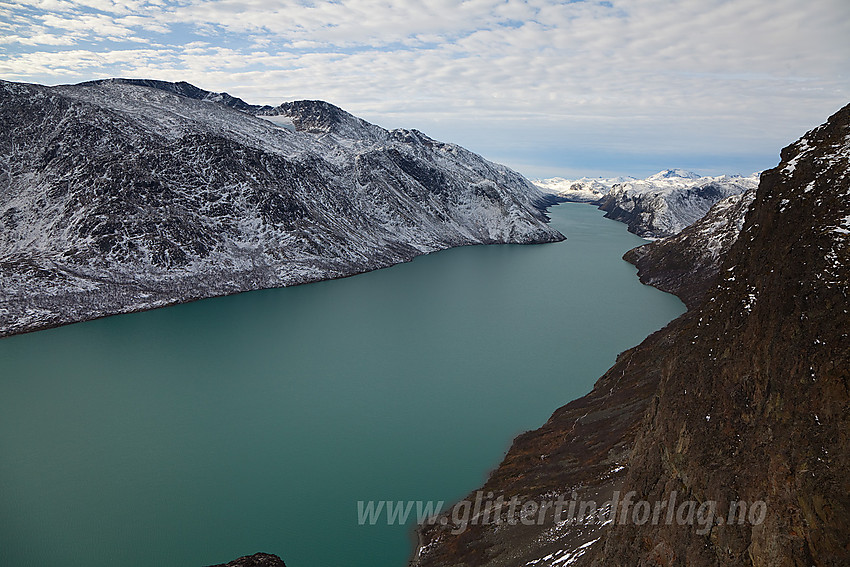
194 434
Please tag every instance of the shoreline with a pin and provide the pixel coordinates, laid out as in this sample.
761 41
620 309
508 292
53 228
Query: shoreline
117 289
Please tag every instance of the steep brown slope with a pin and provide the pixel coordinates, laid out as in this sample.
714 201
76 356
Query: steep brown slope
757 406
745 398
581 449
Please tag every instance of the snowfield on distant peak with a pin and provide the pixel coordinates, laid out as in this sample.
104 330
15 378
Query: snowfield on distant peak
661 205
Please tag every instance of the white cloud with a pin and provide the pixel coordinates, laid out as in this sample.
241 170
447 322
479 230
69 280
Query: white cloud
682 75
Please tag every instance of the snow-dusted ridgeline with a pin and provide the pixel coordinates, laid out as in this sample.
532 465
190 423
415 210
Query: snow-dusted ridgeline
123 195
686 264
660 205
584 190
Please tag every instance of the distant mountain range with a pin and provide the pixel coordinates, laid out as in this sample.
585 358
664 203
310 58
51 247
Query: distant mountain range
122 195
660 205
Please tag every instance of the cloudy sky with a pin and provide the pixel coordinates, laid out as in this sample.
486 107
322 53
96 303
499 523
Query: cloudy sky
550 88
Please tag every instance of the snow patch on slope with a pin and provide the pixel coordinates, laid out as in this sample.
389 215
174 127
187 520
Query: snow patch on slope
665 205
658 206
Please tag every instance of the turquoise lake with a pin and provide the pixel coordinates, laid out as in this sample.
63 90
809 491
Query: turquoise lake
194 434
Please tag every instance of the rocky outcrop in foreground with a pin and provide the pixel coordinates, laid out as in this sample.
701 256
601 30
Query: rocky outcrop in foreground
256 560
727 431
124 195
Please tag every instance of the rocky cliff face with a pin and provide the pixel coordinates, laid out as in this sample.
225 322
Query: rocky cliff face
123 195
757 407
745 399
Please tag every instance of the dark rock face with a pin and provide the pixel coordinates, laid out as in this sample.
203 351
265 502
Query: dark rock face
256 560
758 406
320 117
122 195
745 398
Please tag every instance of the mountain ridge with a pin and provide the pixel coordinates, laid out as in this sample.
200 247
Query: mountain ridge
121 197
658 206
182 88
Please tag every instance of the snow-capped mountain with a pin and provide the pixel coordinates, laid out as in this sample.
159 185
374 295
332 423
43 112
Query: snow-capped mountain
673 174
667 202
584 190
123 195
658 206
